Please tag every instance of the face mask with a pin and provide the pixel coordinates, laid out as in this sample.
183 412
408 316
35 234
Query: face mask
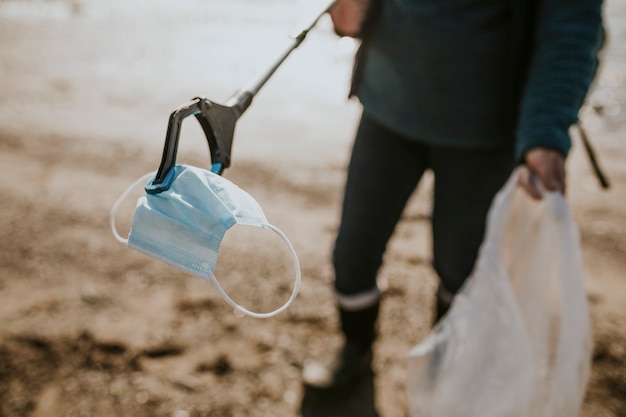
183 221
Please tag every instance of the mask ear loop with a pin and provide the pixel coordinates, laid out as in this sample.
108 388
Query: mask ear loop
119 201
296 285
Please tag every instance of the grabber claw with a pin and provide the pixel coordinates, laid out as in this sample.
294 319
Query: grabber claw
217 120
218 123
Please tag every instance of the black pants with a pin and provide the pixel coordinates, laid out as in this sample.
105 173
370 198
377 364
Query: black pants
384 170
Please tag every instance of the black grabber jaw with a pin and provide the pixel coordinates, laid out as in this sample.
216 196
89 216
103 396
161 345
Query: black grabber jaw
218 123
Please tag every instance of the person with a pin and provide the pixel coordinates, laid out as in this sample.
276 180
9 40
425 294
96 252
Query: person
469 89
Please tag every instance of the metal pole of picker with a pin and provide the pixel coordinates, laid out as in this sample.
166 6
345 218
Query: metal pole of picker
217 120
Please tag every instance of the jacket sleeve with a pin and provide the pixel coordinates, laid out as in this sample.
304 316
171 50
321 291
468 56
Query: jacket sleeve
567 37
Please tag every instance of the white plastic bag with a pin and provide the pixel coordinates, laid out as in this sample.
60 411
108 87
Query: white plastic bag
517 339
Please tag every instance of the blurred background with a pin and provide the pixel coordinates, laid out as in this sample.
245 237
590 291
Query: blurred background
91 328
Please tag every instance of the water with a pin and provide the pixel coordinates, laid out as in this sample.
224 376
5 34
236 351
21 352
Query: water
111 70
114 70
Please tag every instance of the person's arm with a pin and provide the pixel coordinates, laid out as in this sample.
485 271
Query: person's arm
563 64
348 16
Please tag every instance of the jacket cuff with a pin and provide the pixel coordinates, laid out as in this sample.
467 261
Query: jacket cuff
556 138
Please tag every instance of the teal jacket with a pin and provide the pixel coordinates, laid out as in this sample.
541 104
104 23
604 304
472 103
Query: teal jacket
479 73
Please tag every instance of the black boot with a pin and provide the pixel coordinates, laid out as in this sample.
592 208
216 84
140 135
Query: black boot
352 363
443 303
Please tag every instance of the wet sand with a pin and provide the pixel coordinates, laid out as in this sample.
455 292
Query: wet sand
91 328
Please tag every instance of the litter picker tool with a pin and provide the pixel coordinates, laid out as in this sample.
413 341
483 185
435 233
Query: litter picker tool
217 120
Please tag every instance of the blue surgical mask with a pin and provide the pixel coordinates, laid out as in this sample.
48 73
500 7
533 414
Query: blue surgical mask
184 221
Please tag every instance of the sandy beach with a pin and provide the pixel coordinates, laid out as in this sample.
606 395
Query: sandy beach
89 327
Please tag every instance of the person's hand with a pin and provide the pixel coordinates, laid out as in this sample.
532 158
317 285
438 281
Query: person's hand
548 166
348 16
